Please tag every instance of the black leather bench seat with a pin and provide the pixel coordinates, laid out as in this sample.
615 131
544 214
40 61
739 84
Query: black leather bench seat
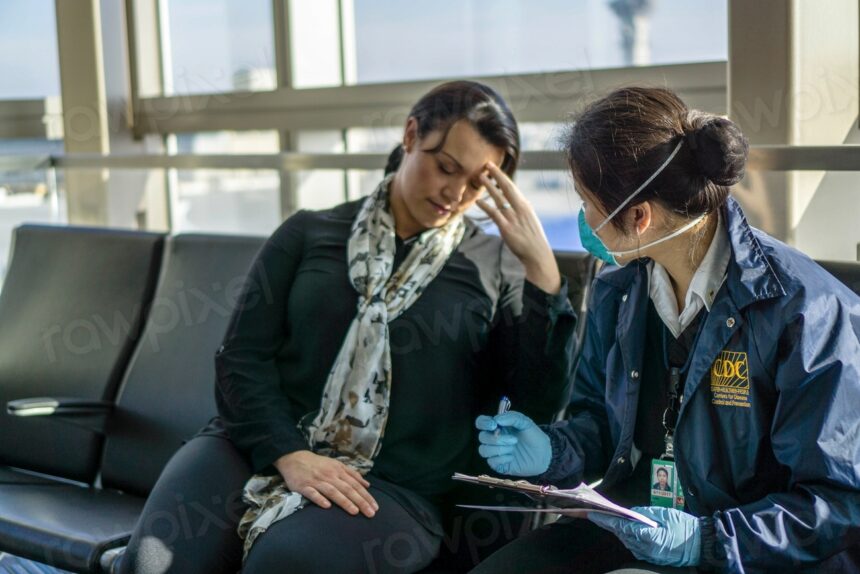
65 525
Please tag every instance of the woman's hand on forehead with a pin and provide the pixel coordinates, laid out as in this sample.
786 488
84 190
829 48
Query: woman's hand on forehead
520 228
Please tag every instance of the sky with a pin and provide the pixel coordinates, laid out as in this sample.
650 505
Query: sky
28 49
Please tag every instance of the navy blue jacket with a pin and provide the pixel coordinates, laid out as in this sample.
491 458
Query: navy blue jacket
767 444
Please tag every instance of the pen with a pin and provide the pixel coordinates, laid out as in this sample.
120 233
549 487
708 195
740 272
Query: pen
504 406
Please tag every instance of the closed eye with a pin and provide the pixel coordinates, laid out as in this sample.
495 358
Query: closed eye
444 170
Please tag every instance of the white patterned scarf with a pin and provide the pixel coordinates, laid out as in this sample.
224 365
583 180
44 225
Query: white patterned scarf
354 409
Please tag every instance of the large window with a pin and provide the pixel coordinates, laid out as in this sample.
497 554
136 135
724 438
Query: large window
224 46
229 201
424 39
219 46
338 42
315 37
29 66
29 71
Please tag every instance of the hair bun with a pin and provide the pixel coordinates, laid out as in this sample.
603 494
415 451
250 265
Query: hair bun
721 150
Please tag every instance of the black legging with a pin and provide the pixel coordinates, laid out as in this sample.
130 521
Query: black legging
189 525
189 521
330 540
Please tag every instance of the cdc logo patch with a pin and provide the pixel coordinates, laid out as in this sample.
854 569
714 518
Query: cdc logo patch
730 385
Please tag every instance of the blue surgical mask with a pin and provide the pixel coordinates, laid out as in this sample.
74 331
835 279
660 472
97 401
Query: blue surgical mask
594 245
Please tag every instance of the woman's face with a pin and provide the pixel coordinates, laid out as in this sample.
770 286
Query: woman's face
431 188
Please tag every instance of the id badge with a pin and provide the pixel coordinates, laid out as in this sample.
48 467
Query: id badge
666 489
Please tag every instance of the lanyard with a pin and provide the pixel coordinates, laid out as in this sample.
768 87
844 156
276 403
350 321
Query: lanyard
677 379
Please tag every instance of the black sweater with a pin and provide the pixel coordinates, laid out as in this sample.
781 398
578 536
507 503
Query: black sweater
477 332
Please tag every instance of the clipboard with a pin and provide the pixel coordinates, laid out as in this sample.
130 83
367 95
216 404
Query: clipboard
576 502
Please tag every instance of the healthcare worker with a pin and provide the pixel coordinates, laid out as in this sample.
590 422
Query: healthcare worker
713 352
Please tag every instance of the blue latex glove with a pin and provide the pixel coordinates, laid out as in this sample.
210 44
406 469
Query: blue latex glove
520 449
676 542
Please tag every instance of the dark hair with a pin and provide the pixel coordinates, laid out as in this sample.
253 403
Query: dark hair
480 105
663 470
619 141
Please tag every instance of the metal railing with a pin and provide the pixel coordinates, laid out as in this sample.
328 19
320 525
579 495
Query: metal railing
762 158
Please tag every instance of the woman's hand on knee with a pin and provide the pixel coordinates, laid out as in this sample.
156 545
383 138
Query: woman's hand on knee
324 481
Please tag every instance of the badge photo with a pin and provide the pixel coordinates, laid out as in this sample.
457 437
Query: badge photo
662 481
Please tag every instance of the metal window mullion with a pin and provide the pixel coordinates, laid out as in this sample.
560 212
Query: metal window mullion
133 104
288 188
165 55
171 179
341 54
168 141
343 136
343 82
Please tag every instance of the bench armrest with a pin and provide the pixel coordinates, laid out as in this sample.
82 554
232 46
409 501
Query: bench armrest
87 413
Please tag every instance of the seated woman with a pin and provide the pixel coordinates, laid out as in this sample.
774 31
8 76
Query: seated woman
713 352
367 339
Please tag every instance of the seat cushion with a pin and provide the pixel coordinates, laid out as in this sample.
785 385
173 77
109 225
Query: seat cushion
64 525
